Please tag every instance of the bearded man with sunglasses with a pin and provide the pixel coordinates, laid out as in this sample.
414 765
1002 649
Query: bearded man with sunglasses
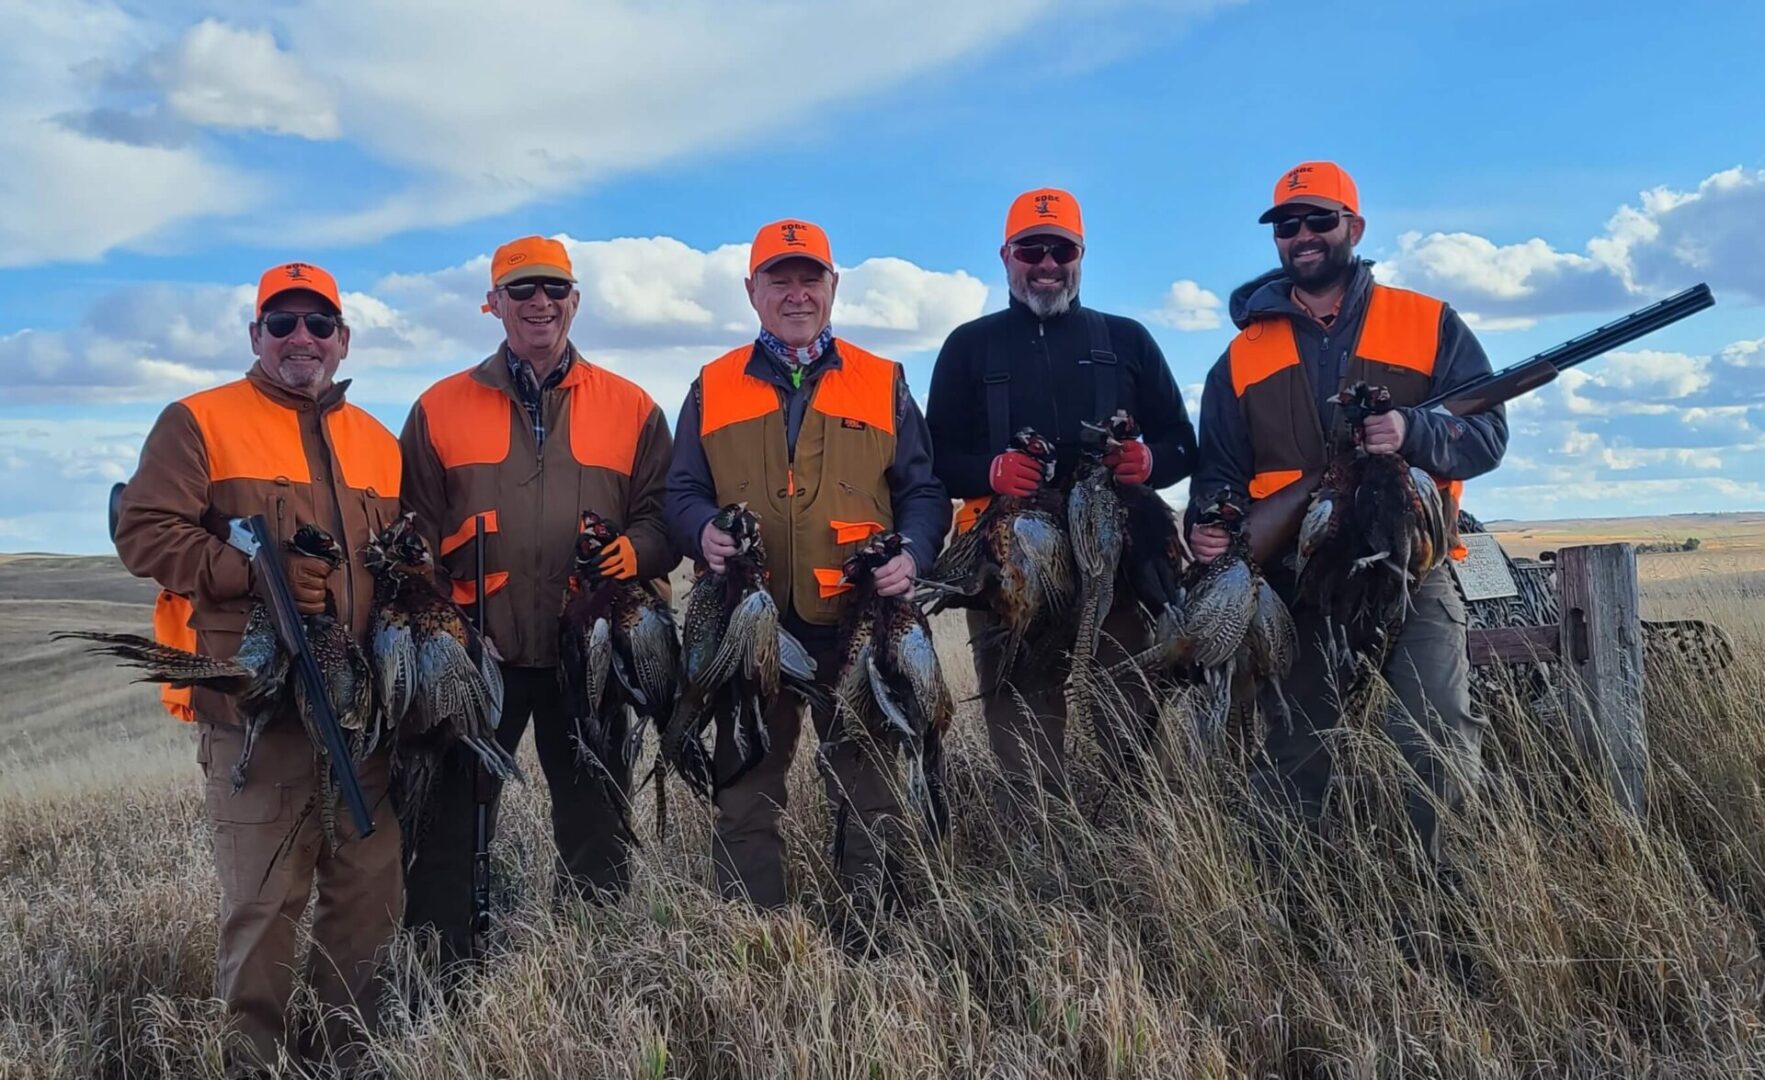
1307 330
526 441
1049 363
281 442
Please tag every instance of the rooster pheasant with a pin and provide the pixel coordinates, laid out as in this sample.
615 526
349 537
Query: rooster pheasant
1230 632
438 679
1375 527
1097 519
619 654
889 683
738 659
1016 562
259 675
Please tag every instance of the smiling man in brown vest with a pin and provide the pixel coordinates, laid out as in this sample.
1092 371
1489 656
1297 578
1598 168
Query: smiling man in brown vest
529 439
824 441
1308 329
283 443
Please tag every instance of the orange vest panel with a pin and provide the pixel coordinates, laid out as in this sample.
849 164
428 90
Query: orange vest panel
1402 329
171 626
469 423
261 439
607 416
367 453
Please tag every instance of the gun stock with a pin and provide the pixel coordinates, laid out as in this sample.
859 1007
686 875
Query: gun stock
291 633
1273 522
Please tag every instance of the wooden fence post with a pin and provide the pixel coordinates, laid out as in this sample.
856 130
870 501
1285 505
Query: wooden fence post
1601 647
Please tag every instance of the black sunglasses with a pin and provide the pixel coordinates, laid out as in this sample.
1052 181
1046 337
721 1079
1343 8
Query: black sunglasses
1064 251
279 324
524 290
1318 221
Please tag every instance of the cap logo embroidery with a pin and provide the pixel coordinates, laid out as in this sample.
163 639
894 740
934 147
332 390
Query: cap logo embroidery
1296 179
517 257
296 271
790 236
1042 207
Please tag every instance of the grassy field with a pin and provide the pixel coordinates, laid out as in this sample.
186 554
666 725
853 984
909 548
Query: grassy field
1115 938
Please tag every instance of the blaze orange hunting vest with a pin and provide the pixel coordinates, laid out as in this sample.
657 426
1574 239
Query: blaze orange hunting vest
248 437
1399 343
817 507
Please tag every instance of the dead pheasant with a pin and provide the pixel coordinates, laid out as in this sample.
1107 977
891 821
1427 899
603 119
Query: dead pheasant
438 679
258 676
1097 520
1016 562
889 687
1230 633
619 653
738 659
1376 526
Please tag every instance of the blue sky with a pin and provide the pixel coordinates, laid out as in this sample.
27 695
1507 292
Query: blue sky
1541 167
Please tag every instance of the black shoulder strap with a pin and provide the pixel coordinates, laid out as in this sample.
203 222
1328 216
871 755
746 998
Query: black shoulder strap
1103 366
998 384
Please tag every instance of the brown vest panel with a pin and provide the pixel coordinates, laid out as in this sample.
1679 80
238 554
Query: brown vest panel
814 510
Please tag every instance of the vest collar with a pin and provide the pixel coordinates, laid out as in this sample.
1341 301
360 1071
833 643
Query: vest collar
1271 295
293 399
767 368
494 371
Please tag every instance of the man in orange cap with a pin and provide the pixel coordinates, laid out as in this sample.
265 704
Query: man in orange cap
280 442
1308 329
1049 363
526 441
822 439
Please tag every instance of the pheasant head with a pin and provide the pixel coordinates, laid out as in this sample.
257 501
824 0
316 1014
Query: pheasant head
399 549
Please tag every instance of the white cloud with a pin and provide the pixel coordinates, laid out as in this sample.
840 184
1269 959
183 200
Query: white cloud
1745 353
653 308
70 193
1188 306
227 77
1665 243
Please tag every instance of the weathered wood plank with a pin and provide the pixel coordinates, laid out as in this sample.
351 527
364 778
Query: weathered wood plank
1513 645
1601 646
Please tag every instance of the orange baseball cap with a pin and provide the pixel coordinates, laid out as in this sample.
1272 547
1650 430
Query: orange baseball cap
788 239
296 277
1315 183
529 257
1045 210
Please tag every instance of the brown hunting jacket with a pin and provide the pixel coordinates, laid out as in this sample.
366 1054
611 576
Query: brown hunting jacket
470 449
249 447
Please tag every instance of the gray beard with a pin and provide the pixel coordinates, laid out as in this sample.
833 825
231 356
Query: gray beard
1043 305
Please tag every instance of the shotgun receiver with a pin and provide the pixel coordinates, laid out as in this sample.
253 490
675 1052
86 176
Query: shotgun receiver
1273 522
252 536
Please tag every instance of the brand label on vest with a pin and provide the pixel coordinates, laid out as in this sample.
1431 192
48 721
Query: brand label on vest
855 425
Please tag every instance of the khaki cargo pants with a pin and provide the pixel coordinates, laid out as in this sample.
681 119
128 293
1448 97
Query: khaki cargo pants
268 866
747 847
1029 736
1431 721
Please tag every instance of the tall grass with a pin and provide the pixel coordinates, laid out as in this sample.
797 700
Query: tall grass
1118 936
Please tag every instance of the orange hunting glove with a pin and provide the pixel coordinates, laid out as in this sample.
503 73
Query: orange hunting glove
618 561
1132 462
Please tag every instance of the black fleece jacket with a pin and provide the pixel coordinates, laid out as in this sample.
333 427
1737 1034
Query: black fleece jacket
1449 447
1052 392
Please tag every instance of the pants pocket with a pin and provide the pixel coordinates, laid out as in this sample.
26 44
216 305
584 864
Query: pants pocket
254 853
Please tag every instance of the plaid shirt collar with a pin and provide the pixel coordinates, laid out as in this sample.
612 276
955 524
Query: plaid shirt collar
531 390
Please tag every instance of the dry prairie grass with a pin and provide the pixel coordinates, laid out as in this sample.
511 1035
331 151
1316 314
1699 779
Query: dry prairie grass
1119 938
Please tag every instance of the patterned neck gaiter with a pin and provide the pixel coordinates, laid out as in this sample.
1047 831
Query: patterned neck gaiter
798 359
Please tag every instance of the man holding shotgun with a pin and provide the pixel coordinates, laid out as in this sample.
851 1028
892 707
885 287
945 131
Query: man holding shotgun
500 462
1309 329
280 445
